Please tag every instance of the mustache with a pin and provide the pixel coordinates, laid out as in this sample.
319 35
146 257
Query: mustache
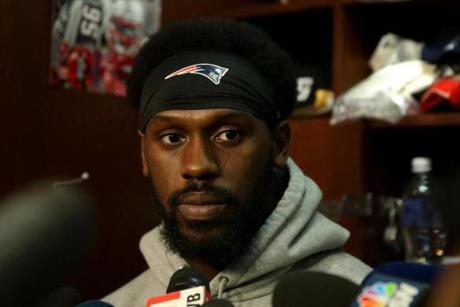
224 195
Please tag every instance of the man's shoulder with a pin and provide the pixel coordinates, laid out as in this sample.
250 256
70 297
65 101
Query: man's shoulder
136 292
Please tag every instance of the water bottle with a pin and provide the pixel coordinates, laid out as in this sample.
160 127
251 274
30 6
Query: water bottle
422 229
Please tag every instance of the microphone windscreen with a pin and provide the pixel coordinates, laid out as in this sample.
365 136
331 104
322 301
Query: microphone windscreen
94 303
186 278
43 233
61 297
314 289
218 303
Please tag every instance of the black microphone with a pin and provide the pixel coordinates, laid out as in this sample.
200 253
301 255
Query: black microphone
185 278
43 232
314 289
94 303
218 303
61 297
187 287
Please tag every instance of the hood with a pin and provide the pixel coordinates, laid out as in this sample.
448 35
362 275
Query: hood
294 231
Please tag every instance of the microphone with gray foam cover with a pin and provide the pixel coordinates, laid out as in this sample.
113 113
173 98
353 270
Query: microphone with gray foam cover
43 233
314 289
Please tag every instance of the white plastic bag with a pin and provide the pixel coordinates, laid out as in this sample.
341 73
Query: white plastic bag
386 94
393 49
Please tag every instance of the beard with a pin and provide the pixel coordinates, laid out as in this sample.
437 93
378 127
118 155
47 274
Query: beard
222 240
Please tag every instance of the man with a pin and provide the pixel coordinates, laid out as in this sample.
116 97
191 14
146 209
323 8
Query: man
213 97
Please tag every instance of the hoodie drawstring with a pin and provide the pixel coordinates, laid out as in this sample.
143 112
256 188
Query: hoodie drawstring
223 282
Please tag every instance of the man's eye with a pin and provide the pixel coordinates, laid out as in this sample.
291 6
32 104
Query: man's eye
228 136
173 139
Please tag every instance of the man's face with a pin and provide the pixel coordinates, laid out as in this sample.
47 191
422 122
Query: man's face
211 172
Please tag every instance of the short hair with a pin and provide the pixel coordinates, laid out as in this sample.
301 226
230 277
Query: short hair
214 33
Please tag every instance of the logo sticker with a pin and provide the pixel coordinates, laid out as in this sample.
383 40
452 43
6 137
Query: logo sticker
211 71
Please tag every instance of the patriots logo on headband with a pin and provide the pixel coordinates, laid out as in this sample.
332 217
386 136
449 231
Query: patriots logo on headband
211 71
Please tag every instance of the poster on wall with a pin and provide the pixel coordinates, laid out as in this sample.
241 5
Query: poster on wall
94 42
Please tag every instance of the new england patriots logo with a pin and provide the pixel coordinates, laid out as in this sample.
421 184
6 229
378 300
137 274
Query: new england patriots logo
211 71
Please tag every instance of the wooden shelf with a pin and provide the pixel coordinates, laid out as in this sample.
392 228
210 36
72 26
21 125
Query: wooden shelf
421 120
266 9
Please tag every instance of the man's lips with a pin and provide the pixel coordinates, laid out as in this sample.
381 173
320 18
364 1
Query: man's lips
200 206
200 199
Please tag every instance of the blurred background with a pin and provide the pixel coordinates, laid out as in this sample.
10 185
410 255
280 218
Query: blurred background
358 124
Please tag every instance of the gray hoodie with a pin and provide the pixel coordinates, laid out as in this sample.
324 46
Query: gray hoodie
295 237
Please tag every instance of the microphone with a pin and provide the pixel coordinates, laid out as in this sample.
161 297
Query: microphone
314 289
94 303
187 287
43 232
185 278
396 284
218 303
61 297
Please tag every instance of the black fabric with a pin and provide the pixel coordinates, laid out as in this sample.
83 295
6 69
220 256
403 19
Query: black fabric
241 87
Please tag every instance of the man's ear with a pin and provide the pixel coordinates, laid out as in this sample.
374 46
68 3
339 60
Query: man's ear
145 169
281 139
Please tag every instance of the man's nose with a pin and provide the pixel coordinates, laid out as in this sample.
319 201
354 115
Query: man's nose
199 160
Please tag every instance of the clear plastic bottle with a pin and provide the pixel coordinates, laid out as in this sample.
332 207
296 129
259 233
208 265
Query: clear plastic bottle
421 223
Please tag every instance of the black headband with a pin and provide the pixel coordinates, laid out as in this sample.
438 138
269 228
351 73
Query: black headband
207 80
